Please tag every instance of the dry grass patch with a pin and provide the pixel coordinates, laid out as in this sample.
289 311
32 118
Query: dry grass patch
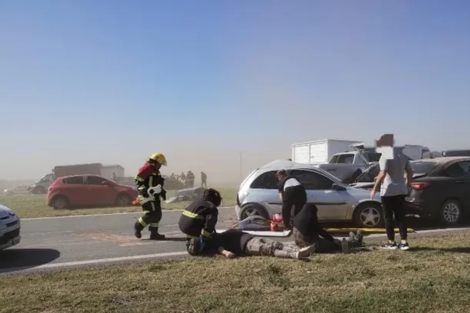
29 205
433 278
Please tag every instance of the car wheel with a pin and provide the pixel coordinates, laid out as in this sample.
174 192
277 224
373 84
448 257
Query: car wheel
450 213
123 200
253 210
369 215
60 203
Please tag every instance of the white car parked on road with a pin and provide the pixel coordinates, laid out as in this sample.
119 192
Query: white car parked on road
336 201
9 228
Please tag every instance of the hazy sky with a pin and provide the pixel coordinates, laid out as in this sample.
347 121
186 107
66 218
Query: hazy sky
113 81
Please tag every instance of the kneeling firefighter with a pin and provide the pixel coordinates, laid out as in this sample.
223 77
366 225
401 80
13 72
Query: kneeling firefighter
150 186
199 219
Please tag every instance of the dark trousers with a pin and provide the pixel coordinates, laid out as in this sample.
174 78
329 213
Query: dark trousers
289 210
152 214
394 206
321 244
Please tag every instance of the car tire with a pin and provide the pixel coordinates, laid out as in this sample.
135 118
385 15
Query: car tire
253 210
60 203
369 215
451 213
123 200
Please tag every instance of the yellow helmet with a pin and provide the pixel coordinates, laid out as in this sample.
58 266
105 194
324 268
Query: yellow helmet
158 157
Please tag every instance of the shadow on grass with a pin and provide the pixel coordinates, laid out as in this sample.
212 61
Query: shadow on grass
450 250
21 259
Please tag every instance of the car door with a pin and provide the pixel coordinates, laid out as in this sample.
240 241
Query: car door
331 204
459 174
264 189
74 188
99 194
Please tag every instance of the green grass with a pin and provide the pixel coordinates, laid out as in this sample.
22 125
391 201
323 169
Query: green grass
29 205
434 278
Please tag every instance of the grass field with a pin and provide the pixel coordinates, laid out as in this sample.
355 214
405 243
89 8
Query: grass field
435 277
29 205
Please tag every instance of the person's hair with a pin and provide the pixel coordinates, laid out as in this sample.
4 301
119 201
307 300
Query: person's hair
281 173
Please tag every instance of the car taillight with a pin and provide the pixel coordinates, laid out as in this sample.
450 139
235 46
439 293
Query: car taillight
419 185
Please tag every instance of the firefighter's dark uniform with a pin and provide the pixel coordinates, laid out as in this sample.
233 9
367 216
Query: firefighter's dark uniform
146 178
200 217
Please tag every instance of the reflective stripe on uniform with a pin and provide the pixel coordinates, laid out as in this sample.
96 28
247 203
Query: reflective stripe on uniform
141 221
154 224
192 215
152 203
138 178
147 212
205 233
190 237
141 188
151 181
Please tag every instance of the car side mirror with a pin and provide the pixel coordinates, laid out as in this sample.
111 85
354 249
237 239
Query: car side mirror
337 187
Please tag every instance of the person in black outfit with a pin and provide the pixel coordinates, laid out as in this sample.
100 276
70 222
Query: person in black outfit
292 195
199 219
307 231
235 242
203 180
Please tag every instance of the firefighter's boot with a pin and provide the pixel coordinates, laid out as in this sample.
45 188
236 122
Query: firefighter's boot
138 229
154 235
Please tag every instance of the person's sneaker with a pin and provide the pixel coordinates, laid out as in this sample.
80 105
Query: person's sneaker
404 246
390 246
352 236
305 252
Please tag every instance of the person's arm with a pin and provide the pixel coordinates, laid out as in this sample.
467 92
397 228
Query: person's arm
383 164
409 173
322 232
210 223
227 253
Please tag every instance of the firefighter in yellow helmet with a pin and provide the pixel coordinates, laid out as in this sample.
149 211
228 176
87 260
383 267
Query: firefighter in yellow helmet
150 186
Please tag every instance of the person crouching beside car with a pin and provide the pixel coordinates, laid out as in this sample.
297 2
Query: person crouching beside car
307 231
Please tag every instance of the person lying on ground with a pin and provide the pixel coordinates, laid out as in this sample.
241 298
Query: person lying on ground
235 242
307 231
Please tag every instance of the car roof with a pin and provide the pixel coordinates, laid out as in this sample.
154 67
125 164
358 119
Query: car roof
286 165
81 175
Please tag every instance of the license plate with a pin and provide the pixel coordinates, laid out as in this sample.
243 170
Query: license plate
15 241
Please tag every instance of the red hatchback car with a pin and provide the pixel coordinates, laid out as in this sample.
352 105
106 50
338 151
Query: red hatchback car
88 191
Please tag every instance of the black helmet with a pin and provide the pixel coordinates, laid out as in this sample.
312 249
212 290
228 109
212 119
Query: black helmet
193 246
213 196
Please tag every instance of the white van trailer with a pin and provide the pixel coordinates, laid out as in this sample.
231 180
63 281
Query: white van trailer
320 151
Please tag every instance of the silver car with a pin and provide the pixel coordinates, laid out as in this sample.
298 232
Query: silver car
336 202
9 228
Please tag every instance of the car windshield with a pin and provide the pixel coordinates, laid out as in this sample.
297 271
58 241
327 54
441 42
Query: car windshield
422 167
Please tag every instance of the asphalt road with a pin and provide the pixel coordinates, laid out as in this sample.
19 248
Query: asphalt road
65 242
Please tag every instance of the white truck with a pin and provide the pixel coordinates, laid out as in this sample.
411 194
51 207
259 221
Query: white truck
319 151
354 159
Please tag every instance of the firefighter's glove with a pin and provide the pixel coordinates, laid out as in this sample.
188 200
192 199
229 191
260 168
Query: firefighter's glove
163 194
155 190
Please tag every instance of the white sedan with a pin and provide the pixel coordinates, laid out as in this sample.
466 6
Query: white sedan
9 228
